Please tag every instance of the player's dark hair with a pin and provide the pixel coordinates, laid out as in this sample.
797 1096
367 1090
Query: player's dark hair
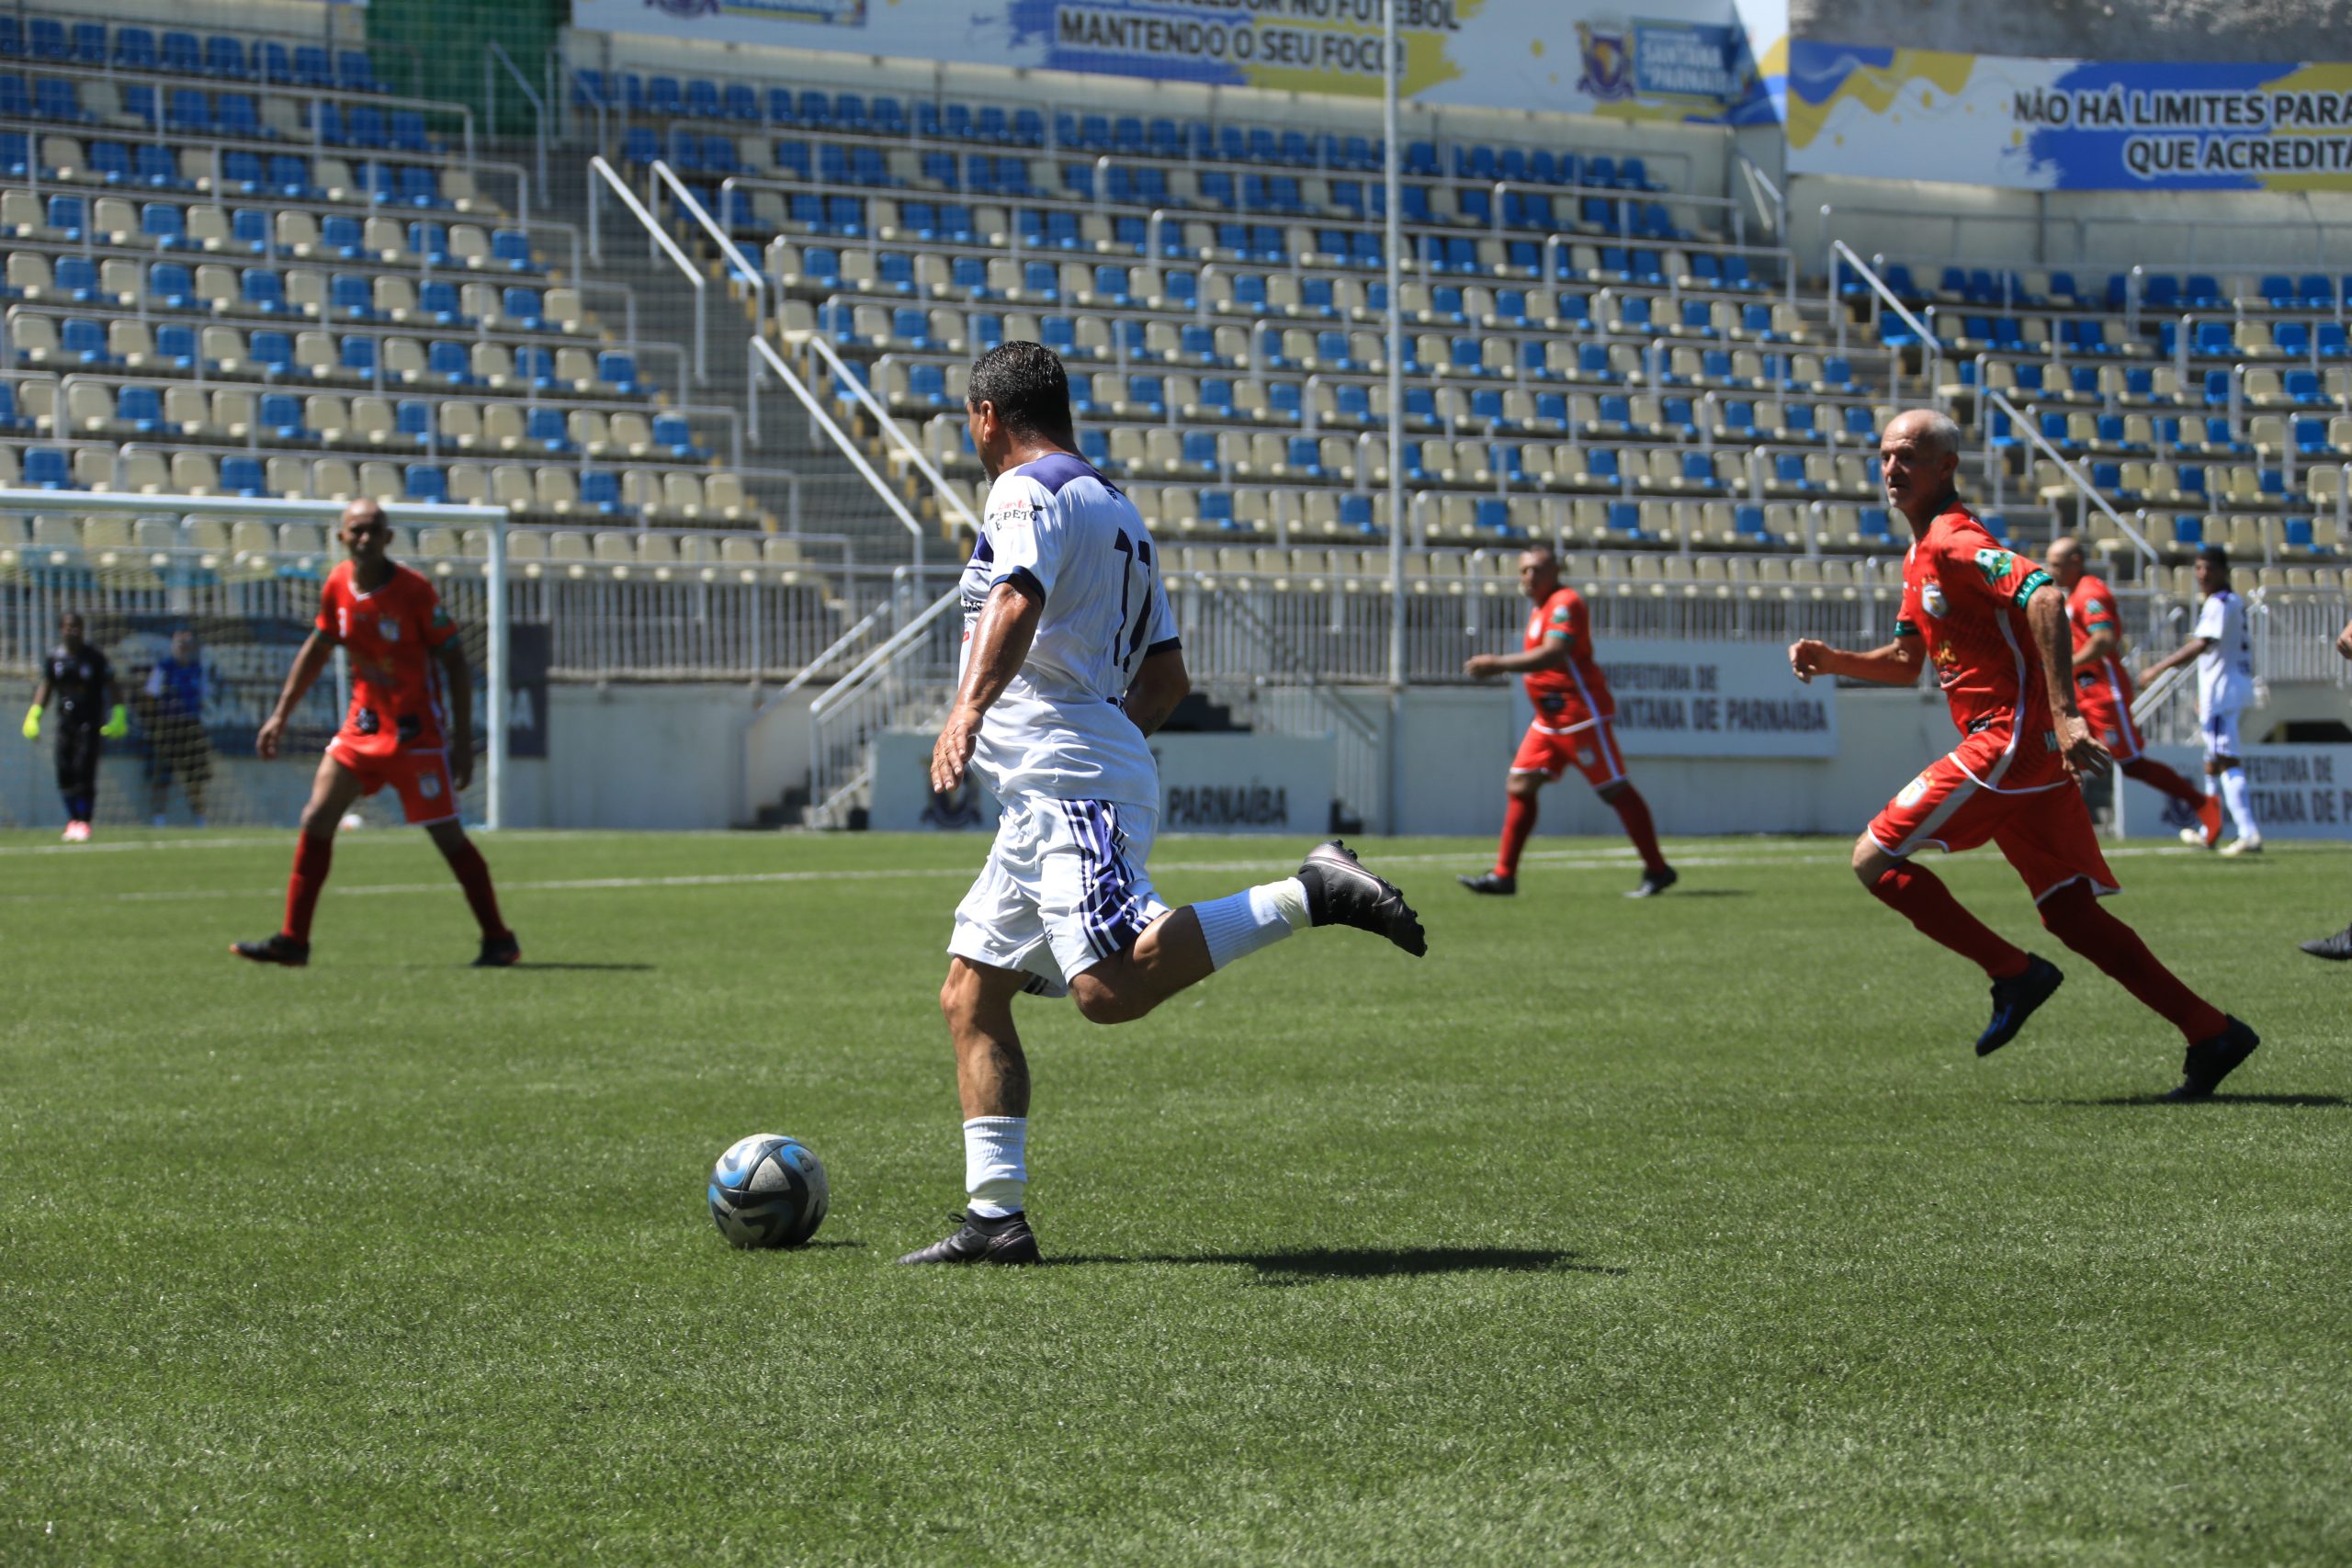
2215 557
1028 387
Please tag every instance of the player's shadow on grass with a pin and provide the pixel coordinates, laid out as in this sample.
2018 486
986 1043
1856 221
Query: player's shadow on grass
1307 1264
2308 1101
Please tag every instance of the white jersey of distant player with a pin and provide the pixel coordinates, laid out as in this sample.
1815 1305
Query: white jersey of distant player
2226 669
1059 730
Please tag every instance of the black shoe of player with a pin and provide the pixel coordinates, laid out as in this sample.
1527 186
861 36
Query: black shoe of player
499 953
1490 882
276 949
1005 1239
2338 947
1656 882
2210 1061
2014 1001
1340 892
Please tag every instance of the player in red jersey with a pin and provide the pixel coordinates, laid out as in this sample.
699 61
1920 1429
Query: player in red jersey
1993 627
406 661
2104 688
1572 727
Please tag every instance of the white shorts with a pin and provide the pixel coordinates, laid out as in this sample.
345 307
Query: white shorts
2219 733
1065 887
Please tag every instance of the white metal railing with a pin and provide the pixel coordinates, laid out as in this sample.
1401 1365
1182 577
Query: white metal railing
950 496
2020 423
764 359
742 274
900 685
603 174
494 57
1884 298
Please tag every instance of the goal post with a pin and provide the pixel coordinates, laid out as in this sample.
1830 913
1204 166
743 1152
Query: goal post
138 567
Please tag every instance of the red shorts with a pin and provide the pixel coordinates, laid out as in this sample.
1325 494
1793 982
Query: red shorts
420 778
2046 833
2111 727
1591 751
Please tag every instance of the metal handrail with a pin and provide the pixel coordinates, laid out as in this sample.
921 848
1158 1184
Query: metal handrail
743 272
604 171
763 351
2019 422
496 54
569 73
948 493
1761 185
1839 249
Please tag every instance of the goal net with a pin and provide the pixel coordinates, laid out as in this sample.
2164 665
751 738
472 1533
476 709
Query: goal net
199 605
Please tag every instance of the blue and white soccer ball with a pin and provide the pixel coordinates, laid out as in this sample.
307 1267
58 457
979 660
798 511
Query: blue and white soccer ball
768 1191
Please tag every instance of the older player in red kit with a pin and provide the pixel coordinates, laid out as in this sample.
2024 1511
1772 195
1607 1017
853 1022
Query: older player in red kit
1993 627
2103 688
1572 727
406 661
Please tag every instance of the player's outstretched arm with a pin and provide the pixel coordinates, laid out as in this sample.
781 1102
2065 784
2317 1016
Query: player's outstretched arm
1008 625
2045 614
316 650
1160 682
1896 664
457 682
1552 653
2189 650
2344 641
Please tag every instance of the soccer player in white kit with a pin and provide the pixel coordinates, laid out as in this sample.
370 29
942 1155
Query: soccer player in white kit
1070 660
2224 649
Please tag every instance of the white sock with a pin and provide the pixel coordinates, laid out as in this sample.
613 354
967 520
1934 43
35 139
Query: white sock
996 1167
2240 800
1237 926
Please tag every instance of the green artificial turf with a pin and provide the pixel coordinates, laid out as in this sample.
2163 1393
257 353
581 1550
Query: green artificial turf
1680 1231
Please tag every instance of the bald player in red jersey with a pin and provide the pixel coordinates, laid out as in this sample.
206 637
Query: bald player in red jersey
1994 628
1572 728
2104 688
406 663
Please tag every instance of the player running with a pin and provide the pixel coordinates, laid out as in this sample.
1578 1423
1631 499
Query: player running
2105 691
2224 649
1994 629
1572 727
78 681
406 661
1070 660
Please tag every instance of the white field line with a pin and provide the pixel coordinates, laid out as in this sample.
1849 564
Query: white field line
1558 860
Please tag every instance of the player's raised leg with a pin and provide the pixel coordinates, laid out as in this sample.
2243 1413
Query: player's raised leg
2021 981
499 947
1520 809
1634 812
333 789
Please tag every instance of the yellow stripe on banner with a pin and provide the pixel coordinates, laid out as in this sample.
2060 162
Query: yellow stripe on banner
1878 90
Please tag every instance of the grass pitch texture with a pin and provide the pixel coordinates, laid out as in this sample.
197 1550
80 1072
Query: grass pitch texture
1687 1230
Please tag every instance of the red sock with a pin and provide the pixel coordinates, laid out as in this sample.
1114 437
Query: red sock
1920 897
1634 813
312 858
1519 821
2156 776
2074 918
473 875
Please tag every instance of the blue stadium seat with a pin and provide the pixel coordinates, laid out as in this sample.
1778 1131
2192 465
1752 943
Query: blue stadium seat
140 409
427 484
600 488
281 417
242 475
619 370
45 468
264 290
545 427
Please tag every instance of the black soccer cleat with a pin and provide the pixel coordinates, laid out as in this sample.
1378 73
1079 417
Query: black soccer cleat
2337 947
1656 882
2014 1001
1004 1239
2208 1062
1340 892
499 953
278 948
1493 882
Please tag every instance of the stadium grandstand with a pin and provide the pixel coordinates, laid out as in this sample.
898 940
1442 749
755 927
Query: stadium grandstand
653 326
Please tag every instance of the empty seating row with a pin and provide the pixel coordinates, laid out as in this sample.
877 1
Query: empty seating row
218 290
208 168
258 231
551 489
196 111
227 57
346 360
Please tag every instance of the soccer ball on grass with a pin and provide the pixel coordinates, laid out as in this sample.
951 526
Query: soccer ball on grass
768 1191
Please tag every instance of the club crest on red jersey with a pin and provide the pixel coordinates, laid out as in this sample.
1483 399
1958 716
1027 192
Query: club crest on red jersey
1932 599
1995 564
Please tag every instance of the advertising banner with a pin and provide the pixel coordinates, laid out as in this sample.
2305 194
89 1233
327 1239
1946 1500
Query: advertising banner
2299 791
1208 783
1709 699
2066 124
1674 60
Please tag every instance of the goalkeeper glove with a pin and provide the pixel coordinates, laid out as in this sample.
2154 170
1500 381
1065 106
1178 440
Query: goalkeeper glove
32 722
117 725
